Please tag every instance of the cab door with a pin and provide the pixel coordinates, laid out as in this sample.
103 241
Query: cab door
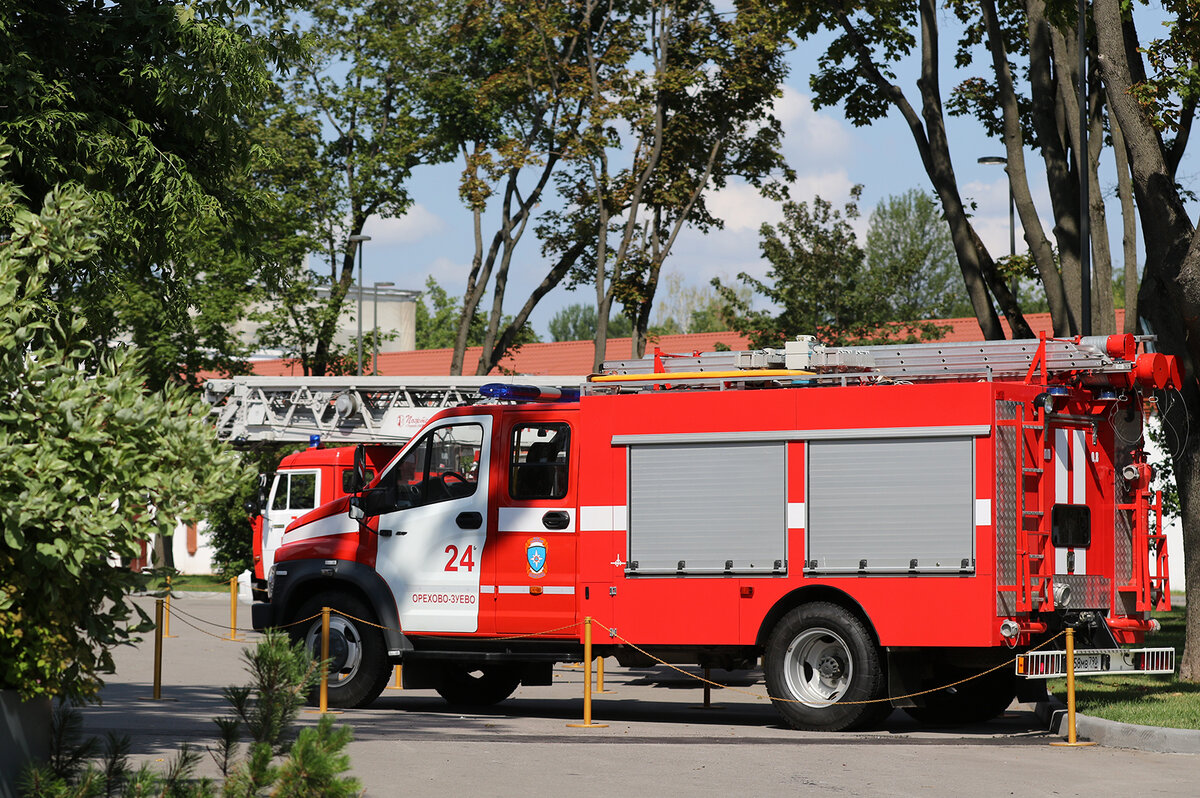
431 544
293 494
534 558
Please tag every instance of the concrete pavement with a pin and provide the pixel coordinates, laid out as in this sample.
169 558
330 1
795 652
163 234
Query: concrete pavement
658 736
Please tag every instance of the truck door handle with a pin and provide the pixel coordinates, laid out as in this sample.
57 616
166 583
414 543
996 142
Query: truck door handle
556 519
471 520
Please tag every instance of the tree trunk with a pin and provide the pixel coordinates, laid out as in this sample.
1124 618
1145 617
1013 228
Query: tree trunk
1043 253
1169 296
1128 226
929 132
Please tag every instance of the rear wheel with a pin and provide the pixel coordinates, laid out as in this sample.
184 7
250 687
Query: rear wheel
823 667
974 701
358 668
484 685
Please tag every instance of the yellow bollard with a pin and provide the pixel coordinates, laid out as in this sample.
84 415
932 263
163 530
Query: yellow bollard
399 685
600 676
324 660
233 608
167 613
158 629
1071 742
587 682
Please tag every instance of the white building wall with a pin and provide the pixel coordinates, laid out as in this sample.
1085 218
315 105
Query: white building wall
1173 525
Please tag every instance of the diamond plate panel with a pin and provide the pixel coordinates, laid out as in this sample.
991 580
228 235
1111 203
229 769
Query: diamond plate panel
1006 494
1123 532
1088 591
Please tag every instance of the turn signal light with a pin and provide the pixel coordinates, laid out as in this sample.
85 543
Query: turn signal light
535 590
747 591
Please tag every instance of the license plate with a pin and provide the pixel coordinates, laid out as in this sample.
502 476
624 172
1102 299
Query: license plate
1087 662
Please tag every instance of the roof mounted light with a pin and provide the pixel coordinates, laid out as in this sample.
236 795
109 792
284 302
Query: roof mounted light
528 393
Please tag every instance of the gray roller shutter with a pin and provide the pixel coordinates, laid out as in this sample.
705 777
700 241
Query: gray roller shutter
891 505
707 508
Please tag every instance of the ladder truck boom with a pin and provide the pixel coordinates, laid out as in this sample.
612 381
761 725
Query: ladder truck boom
342 410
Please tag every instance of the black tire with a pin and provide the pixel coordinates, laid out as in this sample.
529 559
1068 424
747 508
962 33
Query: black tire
975 701
820 653
359 667
482 686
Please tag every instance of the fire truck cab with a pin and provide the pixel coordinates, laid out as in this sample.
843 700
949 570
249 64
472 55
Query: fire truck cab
868 524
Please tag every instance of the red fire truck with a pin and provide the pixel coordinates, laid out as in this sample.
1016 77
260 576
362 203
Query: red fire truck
869 523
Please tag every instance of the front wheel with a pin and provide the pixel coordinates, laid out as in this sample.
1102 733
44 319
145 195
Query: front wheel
823 670
358 667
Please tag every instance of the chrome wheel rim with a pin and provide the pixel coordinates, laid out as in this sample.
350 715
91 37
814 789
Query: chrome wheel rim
818 667
345 649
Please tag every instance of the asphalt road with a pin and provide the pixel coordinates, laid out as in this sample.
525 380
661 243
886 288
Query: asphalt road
659 739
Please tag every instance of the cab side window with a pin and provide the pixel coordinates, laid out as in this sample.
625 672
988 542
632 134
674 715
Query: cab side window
348 479
538 467
295 492
444 465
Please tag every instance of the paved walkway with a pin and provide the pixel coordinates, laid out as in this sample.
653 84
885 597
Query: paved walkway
658 735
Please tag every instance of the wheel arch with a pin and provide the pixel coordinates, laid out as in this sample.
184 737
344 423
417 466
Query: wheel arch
307 578
808 595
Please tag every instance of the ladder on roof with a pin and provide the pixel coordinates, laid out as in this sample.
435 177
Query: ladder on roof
808 362
342 410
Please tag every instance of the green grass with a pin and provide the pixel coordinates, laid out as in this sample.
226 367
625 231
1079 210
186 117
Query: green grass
183 583
1144 700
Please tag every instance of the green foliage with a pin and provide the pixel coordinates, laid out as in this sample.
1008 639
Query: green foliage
228 521
437 317
908 245
91 462
691 309
137 103
310 765
577 322
819 283
347 136
282 672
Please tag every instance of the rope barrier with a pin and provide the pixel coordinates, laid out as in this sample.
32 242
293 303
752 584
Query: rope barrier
586 622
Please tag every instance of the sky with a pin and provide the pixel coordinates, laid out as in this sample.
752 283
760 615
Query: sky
829 156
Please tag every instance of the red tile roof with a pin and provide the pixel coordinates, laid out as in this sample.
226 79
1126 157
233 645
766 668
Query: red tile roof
563 357
575 357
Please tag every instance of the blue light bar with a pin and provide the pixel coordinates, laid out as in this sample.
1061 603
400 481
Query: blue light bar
314 441
528 393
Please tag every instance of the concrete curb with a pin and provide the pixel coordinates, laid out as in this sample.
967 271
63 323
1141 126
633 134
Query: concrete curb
1113 734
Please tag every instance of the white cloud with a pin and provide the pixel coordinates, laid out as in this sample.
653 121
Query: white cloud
810 136
417 224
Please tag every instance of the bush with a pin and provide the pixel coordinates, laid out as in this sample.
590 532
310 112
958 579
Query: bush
90 463
309 764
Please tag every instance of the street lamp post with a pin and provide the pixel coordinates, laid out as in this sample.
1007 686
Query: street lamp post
358 240
998 160
375 331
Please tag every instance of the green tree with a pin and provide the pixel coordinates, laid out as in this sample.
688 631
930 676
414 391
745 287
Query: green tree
908 241
91 461
683 308
437 316
858 72
349 135
577 322
818 284
138 104
1152 91
695 89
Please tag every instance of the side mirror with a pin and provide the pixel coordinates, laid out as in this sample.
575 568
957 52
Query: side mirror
360 468
356 512
264 491
375 502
